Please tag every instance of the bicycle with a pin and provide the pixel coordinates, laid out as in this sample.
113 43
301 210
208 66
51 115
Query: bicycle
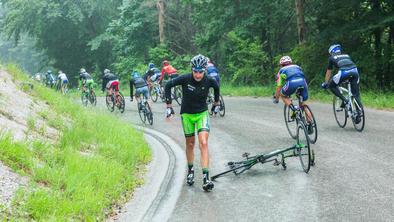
295 117
355 109
113 102
176 93
88 96
301 150
157 91
210 101
144 111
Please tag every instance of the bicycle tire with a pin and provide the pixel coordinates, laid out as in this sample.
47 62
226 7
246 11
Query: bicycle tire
360 110
148 113
93 98
222 110
141 113
290 120
303 147
153 94
121 106
339 113
84 98
313 136
178 95
110 103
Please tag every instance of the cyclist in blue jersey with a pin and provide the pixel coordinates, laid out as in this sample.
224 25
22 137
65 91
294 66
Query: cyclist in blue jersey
289 78
213 71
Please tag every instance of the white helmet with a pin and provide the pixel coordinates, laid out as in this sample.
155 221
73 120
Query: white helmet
285 60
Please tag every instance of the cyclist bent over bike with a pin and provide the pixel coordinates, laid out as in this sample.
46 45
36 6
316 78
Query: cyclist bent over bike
347 70
85 80
194 113
169 70
110 82
290 78
141 87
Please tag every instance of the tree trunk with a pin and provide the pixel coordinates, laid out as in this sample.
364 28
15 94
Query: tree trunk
161 9
300 21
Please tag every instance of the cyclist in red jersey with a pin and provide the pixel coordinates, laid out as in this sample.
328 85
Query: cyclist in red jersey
169 70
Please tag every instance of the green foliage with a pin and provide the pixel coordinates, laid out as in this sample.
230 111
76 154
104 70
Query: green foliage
84 173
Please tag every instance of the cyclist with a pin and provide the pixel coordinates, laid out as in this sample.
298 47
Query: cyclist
141 87
347 70
213 71
194 113
152 74
63 81
85 79
169 70
50 79
289 78
110 81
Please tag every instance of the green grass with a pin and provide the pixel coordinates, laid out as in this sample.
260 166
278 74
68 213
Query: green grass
377 100
92 165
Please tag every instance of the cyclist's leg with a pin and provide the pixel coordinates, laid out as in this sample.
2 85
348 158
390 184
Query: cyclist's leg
304 94
333 85
188 124
287 90
203 134
355 85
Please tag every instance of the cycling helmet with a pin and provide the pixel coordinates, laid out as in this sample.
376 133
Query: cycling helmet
165 63
151 65
106 71
135 74
199 63
82 70
285 60
335 49
49 71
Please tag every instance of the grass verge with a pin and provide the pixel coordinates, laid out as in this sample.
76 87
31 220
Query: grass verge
377 100
93 164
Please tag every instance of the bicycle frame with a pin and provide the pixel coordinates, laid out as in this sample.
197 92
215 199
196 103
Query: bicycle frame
241 166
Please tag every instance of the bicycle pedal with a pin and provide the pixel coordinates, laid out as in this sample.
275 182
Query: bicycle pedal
276 162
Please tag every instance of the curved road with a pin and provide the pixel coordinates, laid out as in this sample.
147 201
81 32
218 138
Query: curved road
353 179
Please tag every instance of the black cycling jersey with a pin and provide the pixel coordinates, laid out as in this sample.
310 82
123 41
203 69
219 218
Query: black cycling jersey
340 62
151 72
106 78
84 76
139 82
194 98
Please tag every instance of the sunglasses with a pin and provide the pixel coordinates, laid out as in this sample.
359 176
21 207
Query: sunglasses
198 70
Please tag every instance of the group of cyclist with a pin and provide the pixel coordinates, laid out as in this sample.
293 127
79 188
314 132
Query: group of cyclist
291 77
204 75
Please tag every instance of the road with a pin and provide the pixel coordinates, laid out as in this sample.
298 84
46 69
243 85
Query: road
352 180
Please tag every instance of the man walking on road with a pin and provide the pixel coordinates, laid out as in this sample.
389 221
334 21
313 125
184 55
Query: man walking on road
194 113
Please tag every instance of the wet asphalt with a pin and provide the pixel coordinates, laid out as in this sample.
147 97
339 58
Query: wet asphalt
353 179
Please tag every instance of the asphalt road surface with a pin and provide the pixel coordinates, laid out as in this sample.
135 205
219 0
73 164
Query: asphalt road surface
353 179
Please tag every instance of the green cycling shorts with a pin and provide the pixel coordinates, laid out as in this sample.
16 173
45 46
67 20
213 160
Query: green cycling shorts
89 83
196 120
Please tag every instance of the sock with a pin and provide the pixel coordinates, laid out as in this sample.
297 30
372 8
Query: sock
205 173
190 167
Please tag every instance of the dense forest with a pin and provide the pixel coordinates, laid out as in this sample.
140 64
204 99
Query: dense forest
244 38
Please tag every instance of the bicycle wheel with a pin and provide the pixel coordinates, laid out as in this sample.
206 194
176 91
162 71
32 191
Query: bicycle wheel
358 115
339 113
93 99
291 121
110 103
148 113
84 98
121 105
153 94
141 112
313 132
303 149
222 111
